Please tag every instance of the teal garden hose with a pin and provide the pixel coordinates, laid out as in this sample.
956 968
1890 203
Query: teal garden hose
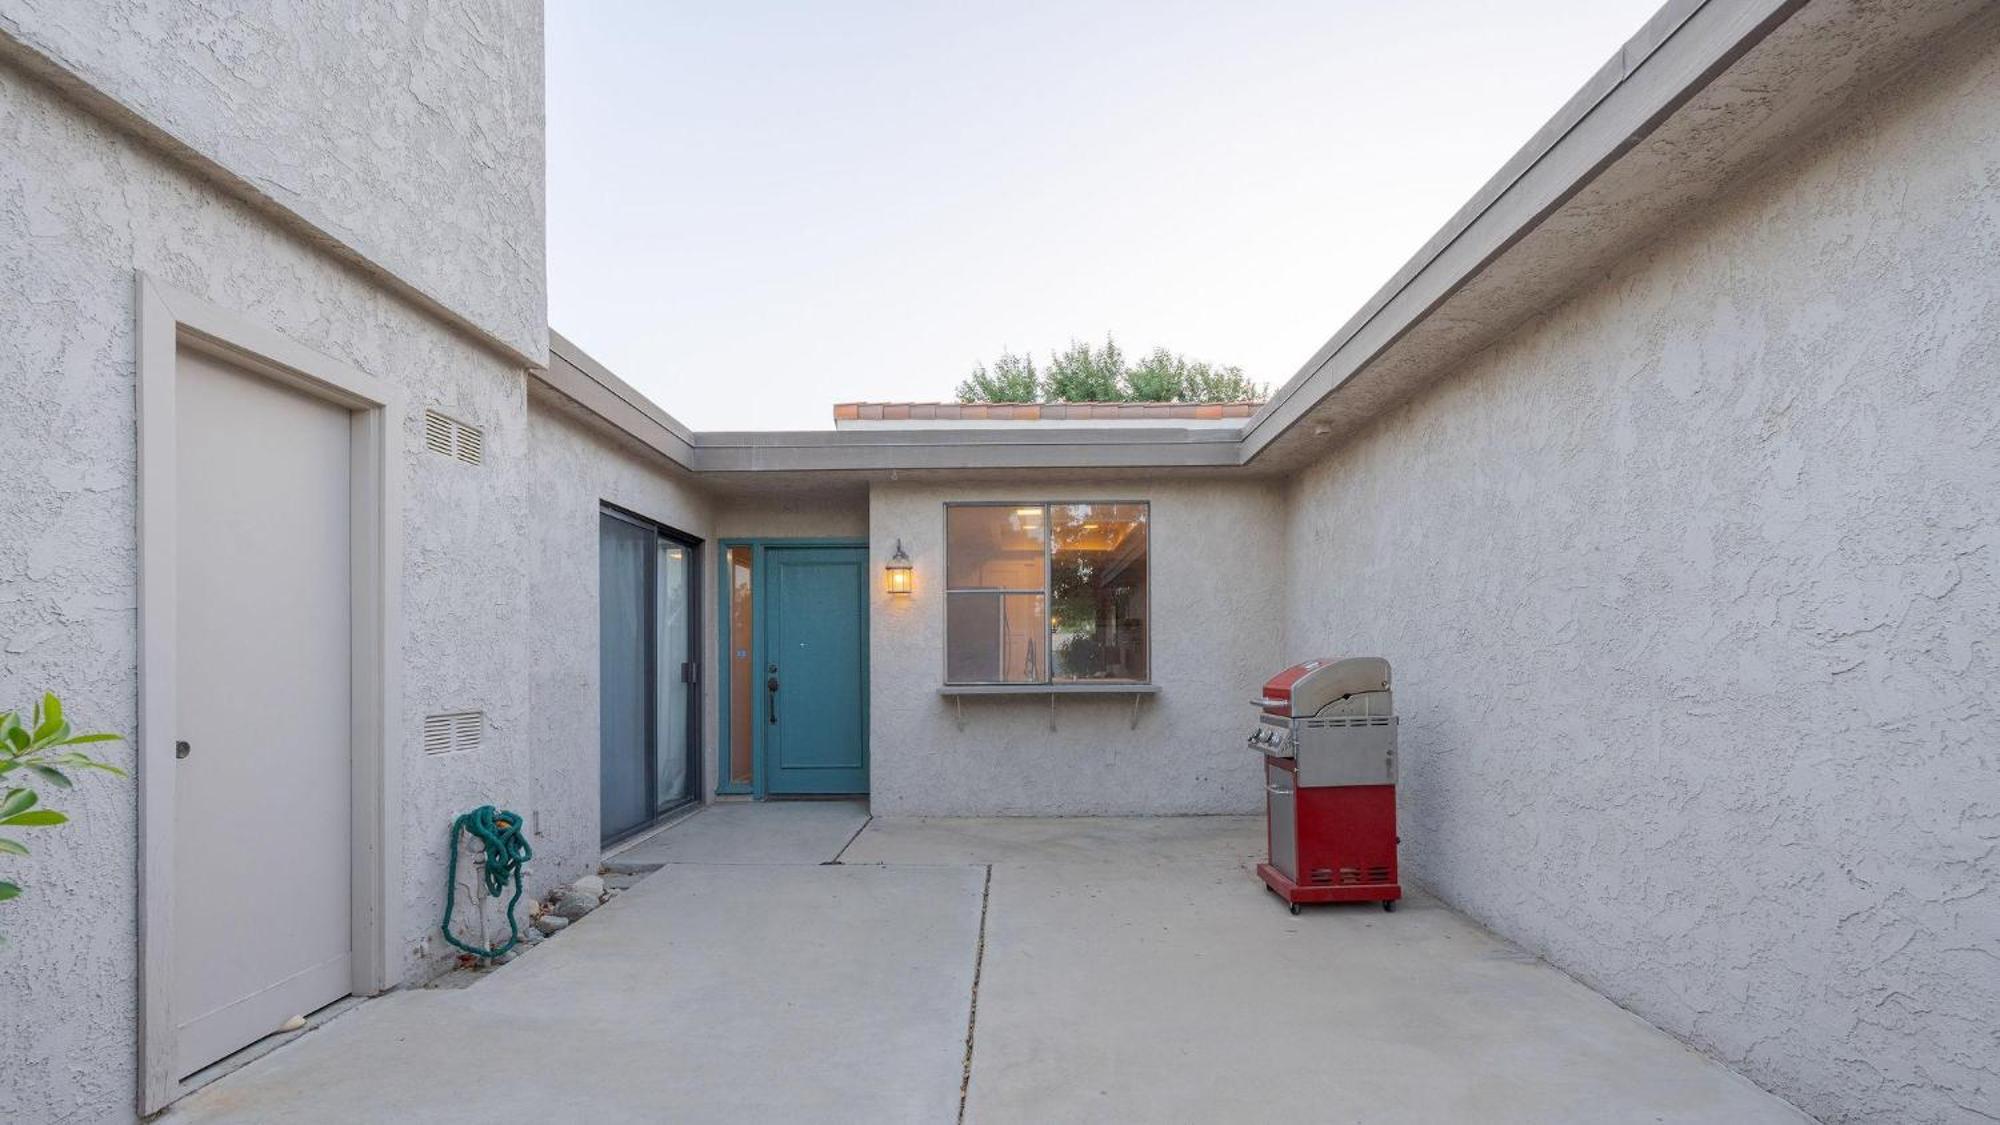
506 851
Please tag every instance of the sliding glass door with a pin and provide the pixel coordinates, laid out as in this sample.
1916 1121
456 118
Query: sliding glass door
675 701
648 672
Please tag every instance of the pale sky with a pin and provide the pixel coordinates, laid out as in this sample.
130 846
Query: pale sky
758 209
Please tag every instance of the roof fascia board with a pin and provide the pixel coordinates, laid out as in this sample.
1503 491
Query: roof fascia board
967 436
971 450
1676 54
579 377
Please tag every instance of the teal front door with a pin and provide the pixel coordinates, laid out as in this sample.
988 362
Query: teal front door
815 671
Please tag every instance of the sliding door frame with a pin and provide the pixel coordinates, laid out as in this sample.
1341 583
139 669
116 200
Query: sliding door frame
693 678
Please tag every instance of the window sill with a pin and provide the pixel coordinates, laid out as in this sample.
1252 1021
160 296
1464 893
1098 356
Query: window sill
957 693
1108 688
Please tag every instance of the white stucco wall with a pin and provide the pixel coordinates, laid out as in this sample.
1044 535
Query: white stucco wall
1215 593
410 131
784 514
574 470
81 209
1691 588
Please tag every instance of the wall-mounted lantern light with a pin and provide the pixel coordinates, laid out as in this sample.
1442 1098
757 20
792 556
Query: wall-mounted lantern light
896 575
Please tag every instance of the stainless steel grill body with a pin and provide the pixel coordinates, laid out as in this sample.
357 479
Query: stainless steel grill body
1348 737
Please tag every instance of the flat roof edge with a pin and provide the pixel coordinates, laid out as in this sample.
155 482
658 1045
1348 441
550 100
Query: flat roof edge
1679 51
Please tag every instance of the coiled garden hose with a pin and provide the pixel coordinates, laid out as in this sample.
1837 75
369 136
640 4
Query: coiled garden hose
506 851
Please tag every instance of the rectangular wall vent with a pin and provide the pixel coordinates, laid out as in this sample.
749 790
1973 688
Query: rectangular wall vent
453 438
450 733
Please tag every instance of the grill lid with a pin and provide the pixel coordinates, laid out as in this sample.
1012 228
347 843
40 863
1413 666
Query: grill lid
1303 689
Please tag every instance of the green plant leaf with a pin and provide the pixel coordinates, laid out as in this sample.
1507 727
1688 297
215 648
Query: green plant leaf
12 847
79 761
18 736
37 818
8 890
51 775
17 800
49 724
48 735
82 738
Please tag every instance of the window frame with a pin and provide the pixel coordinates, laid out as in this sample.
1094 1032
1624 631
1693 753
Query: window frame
1048 681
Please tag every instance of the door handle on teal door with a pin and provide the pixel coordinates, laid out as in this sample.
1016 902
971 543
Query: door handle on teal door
771 696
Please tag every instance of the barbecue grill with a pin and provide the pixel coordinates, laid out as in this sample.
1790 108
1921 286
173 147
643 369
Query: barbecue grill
1327 730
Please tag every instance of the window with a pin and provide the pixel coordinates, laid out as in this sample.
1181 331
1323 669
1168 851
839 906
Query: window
1045 593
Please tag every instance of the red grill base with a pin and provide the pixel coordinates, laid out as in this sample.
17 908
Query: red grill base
1345 843
1294 893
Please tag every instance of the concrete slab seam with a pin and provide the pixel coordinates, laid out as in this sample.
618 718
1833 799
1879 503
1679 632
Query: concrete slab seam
865 821
972 1009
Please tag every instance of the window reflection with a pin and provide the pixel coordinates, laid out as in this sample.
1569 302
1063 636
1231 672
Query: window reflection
1097 591
1037 593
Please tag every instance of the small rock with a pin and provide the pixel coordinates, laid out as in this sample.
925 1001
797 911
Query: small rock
550 923
293 1024
589 885
530 935
506 957
573 905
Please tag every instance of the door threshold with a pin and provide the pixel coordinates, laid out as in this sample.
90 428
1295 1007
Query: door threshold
669 820
245 1055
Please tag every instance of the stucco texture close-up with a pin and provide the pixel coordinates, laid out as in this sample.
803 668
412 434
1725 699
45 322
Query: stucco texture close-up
575 470
1214 629
809 515
1691 586
410 132
82 210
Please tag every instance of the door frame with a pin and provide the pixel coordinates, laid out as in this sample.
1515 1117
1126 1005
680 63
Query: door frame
760 601
169 319
696 759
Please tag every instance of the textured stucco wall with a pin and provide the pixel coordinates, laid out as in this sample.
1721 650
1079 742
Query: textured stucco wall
1215 595
1691 588
809 516
411 131
574 471
82 208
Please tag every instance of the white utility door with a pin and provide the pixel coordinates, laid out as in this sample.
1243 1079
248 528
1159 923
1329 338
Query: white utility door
263 825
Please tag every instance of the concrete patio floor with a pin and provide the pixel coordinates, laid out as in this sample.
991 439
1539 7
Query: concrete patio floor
1126 970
